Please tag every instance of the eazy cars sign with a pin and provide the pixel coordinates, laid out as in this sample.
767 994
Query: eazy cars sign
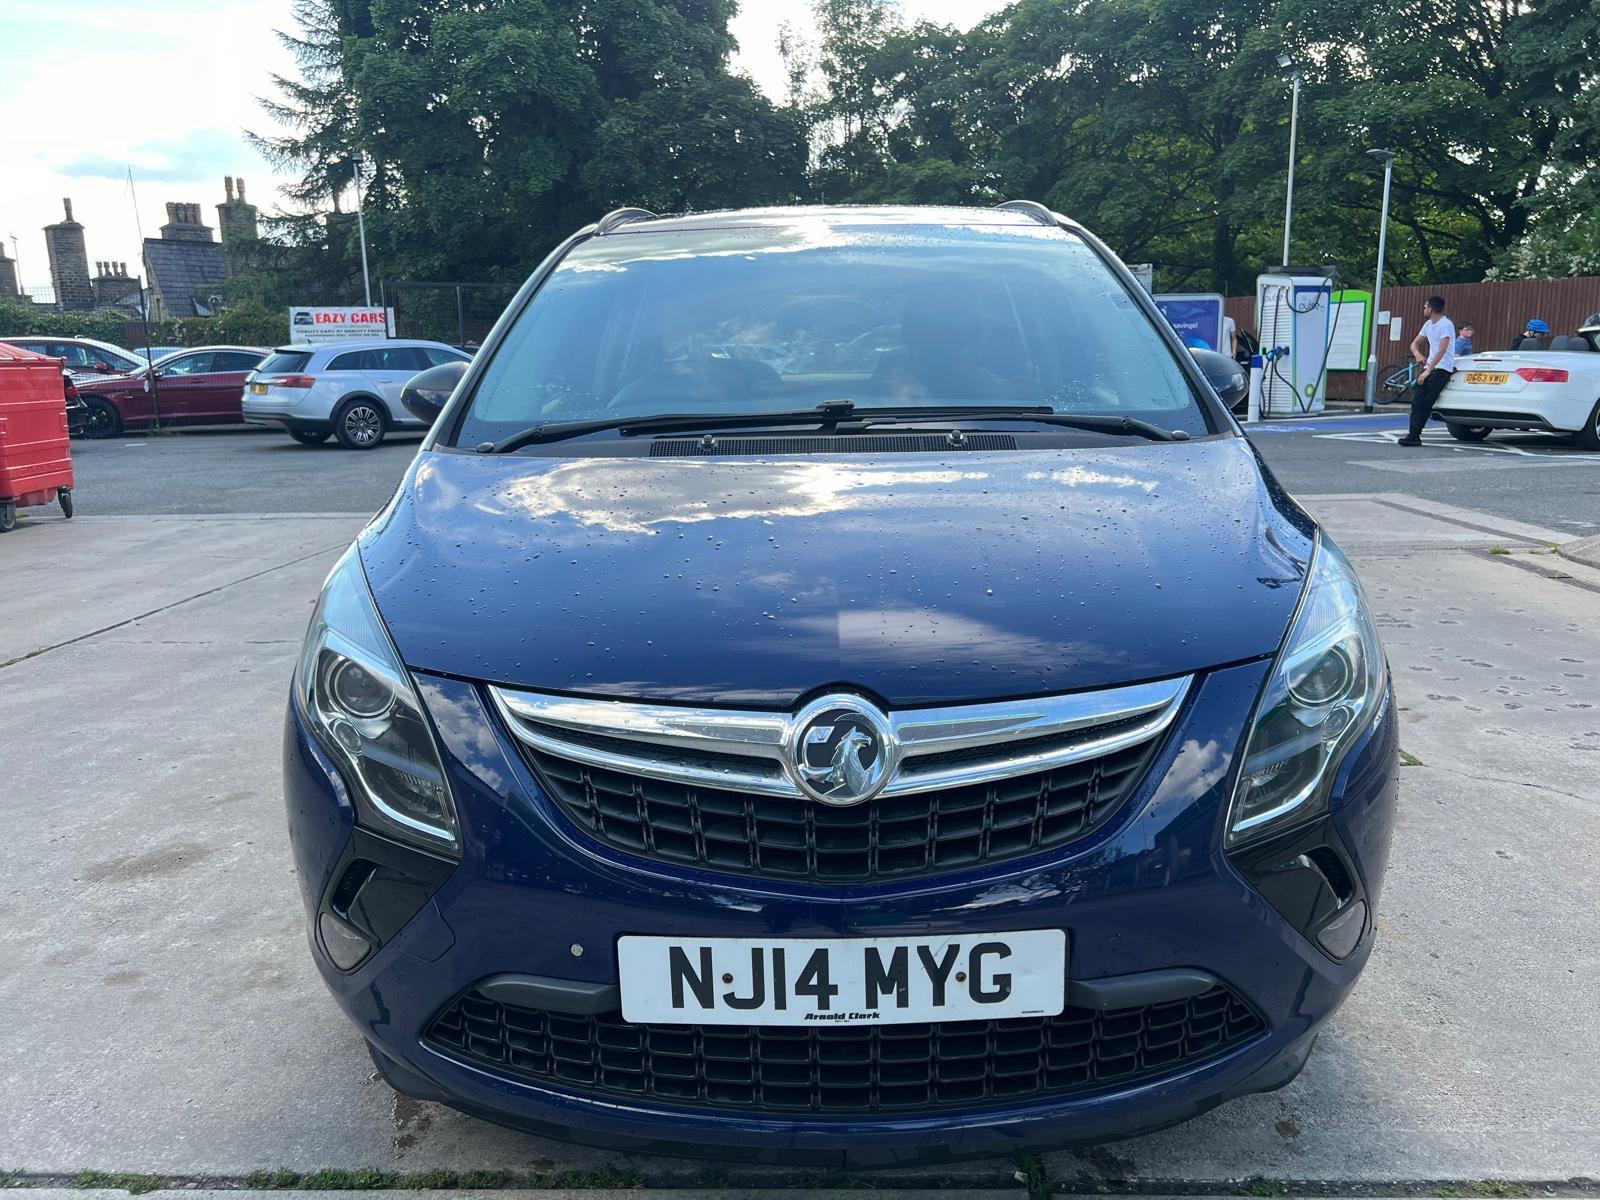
339 324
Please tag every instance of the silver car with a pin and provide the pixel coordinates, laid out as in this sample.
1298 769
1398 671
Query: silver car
347 390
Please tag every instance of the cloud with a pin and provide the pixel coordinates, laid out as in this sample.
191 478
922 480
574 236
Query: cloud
195 154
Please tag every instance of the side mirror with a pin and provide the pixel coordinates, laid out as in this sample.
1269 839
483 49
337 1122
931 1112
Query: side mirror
1226 377
425 393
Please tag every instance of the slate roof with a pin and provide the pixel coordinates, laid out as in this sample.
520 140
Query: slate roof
184 273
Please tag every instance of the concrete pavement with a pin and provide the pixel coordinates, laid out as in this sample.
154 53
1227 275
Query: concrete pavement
162 1015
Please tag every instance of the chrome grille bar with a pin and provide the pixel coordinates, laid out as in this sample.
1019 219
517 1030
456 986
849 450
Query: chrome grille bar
735 750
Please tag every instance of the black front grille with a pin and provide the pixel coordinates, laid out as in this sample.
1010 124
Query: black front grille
858 1069
888 837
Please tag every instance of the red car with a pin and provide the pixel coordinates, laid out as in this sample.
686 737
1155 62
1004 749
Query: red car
201 386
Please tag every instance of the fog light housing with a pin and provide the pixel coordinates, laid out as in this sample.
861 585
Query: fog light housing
344 945
1341 935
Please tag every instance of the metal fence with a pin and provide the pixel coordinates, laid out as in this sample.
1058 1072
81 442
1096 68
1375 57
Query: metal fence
460 314
1497 311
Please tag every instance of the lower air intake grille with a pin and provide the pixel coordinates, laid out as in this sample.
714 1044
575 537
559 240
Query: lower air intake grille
846 1070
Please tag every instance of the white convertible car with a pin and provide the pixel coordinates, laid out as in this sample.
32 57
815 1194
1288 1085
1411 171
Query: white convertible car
1552 391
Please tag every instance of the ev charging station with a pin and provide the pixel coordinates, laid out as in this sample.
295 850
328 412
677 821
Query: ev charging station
1294 320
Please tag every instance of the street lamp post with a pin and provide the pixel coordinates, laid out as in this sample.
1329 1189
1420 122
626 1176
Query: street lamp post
1377 284
1288 64
361 228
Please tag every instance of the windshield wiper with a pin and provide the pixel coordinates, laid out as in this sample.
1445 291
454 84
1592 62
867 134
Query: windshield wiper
1093 422
830 412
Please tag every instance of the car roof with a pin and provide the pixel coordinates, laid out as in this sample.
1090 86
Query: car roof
177 350
80 341
359 344
1021 214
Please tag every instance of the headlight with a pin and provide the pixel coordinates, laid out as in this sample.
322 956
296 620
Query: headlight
1323 692
360 701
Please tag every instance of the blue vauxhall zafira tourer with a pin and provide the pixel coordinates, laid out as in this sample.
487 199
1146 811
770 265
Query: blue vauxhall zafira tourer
836 685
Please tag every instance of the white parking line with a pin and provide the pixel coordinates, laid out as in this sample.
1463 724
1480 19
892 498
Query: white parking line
1441 439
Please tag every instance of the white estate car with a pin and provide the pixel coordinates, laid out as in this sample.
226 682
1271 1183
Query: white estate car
1553 391
348 389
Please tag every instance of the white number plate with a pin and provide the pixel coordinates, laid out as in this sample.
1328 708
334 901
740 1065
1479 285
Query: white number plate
845 981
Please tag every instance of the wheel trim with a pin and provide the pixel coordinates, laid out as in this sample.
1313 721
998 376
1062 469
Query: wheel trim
363 424
101 420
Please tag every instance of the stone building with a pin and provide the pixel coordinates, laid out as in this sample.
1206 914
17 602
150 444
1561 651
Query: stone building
184 265
235 218
9 288
69 262
114 287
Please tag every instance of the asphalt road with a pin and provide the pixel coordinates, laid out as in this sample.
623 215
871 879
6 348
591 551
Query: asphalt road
234 471
1537 479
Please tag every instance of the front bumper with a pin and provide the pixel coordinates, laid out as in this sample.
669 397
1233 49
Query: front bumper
1150 892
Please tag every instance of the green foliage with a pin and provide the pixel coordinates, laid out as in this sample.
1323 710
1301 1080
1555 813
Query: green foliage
19 319
1558 246
703 143
490 130
368 1179
123 1180
1260 1186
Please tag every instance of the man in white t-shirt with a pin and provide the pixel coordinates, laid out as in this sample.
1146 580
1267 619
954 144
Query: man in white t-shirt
1230 338
1435 351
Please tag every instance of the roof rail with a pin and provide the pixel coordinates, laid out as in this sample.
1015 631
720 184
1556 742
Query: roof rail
1033 208
622 216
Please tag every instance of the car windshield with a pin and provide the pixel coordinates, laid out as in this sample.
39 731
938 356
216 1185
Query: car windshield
749 320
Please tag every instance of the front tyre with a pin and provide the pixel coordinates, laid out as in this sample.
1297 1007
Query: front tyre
1588 438
1467 433
359 424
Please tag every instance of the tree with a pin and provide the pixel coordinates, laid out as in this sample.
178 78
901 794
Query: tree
494 127
1483 102
701 143
316 111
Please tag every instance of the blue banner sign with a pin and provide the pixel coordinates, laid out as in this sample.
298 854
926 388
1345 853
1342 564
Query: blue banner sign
1197 316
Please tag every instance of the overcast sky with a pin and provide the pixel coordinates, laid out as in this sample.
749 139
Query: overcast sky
167 87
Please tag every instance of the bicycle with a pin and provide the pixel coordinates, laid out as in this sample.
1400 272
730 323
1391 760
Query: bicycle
1397 380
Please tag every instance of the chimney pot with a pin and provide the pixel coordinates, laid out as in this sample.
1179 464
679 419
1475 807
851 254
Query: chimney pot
240 183
227 184
66 203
